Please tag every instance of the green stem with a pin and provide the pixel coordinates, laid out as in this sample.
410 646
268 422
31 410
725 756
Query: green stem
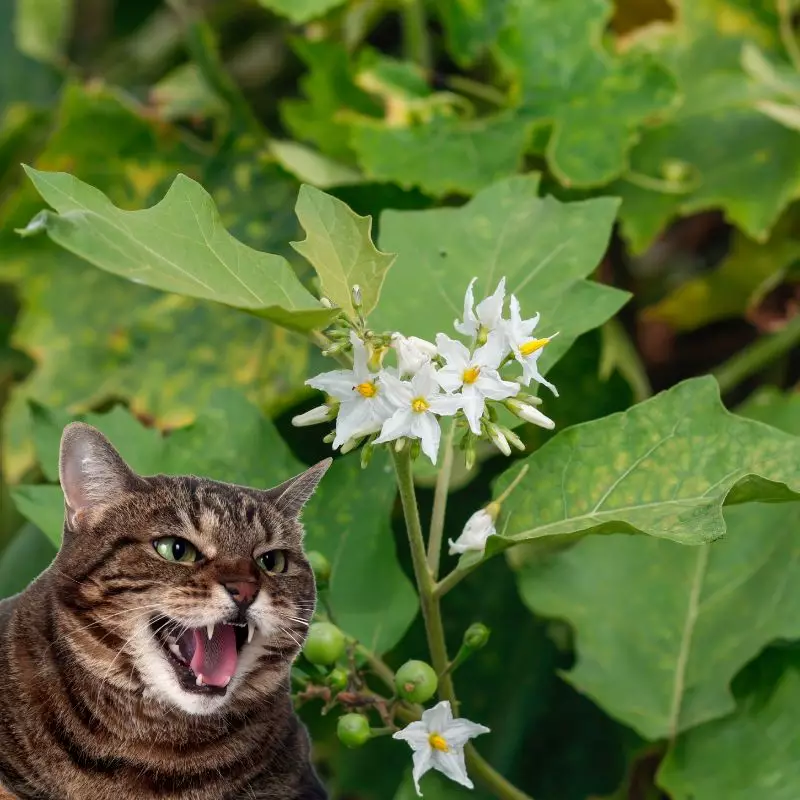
415 33
787 32
440 503
458 83
758 355
432 616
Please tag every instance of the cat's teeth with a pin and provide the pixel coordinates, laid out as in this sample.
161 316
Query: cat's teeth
175 650
199 680
210 629
250 631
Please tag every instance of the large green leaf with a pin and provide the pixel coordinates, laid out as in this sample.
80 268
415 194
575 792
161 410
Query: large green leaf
544 248
718 126
470 26
348 522
339 245
751 755
665 467
178 245
595 101
300 11
348 519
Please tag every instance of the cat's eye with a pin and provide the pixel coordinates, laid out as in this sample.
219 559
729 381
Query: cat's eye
173 548
273 561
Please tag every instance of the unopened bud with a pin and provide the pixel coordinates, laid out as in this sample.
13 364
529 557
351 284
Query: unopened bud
529 414
375 361
366 454
469 454
329 437
476 636
498 439
335 349
356 295
416 447
351 444
512 437
315 416
325 301
399 445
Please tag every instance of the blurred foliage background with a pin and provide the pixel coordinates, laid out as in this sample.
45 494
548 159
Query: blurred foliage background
687 111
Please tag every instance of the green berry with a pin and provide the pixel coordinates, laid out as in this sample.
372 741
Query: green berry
324 645
353 730
337 680
416 681
476 636
321 567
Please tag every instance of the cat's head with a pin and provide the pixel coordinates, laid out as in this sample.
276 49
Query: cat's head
185 589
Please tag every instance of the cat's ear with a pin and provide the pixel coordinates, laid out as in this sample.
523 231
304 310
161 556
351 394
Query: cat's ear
91 471
292 495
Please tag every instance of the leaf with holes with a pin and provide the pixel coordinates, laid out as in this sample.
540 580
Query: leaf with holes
339 246
544 248
179 245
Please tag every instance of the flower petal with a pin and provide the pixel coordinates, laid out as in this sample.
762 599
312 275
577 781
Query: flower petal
436 719
454 352
491 385
490 310
338 383
450 378
469 325
530 371
460 731
451 764
416 734
493 352
426 428
423 762
424 383
445 405
398 393
354 417
473 405
360 356
399 424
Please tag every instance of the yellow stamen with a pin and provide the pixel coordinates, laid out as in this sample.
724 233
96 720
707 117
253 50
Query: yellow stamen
471 375
438 742
367 389
532 346
419 404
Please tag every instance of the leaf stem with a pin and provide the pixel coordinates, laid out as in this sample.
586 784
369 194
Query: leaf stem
458 83
440 503
758 355
432 616
415 34
787 32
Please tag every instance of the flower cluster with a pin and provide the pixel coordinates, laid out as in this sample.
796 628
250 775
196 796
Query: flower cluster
375 403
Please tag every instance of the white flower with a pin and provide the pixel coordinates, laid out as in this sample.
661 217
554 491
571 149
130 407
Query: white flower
438 743
530 414
364 402
475 374
526 349
479 527
488 313
412 353
417 402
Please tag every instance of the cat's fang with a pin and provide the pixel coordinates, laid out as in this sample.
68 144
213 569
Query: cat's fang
210 629
199 680
250 631
176 651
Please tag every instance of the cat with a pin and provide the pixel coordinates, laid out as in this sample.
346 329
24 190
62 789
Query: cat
152 659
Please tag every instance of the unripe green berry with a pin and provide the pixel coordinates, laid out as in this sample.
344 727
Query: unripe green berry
476 636
337 680
416 681
321 567
324 645
353 730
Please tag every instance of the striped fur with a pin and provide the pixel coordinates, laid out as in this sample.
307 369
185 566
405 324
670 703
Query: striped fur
89 709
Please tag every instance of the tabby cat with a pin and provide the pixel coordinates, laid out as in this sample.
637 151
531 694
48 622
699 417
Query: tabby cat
152 659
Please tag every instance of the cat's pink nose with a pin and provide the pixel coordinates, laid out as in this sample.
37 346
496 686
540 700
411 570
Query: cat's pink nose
243 592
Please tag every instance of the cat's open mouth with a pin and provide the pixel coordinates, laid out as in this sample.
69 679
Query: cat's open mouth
204 659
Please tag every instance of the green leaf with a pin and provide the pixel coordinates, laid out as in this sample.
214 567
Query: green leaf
178 245
470 26
442 155
301 11
776 408
28 553
349 523
752 754
339 246
184 93
41 28
717 125
665 468
311 167
348 519
665 664
739 283
544 248
595 101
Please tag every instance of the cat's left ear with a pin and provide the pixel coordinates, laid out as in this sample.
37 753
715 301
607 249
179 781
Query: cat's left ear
292 495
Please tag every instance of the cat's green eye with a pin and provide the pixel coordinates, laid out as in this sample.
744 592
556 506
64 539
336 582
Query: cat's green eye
173 548
273 561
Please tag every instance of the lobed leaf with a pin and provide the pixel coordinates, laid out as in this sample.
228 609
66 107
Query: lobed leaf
178 245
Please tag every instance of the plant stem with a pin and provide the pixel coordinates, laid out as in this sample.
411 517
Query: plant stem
440 503
434 628
379 667
757 355
481 91
415 33
787 32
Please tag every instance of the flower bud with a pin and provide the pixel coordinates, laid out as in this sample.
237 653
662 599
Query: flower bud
469 453
353 730
529 414
476 636
479 527
416 448
329 437
315 416
321 567
416 681
512 437
351 444
376 354
412 353
326 302
366 454
335 349
498 439
355 293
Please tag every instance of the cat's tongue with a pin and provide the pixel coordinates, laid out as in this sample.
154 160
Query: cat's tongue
214 659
